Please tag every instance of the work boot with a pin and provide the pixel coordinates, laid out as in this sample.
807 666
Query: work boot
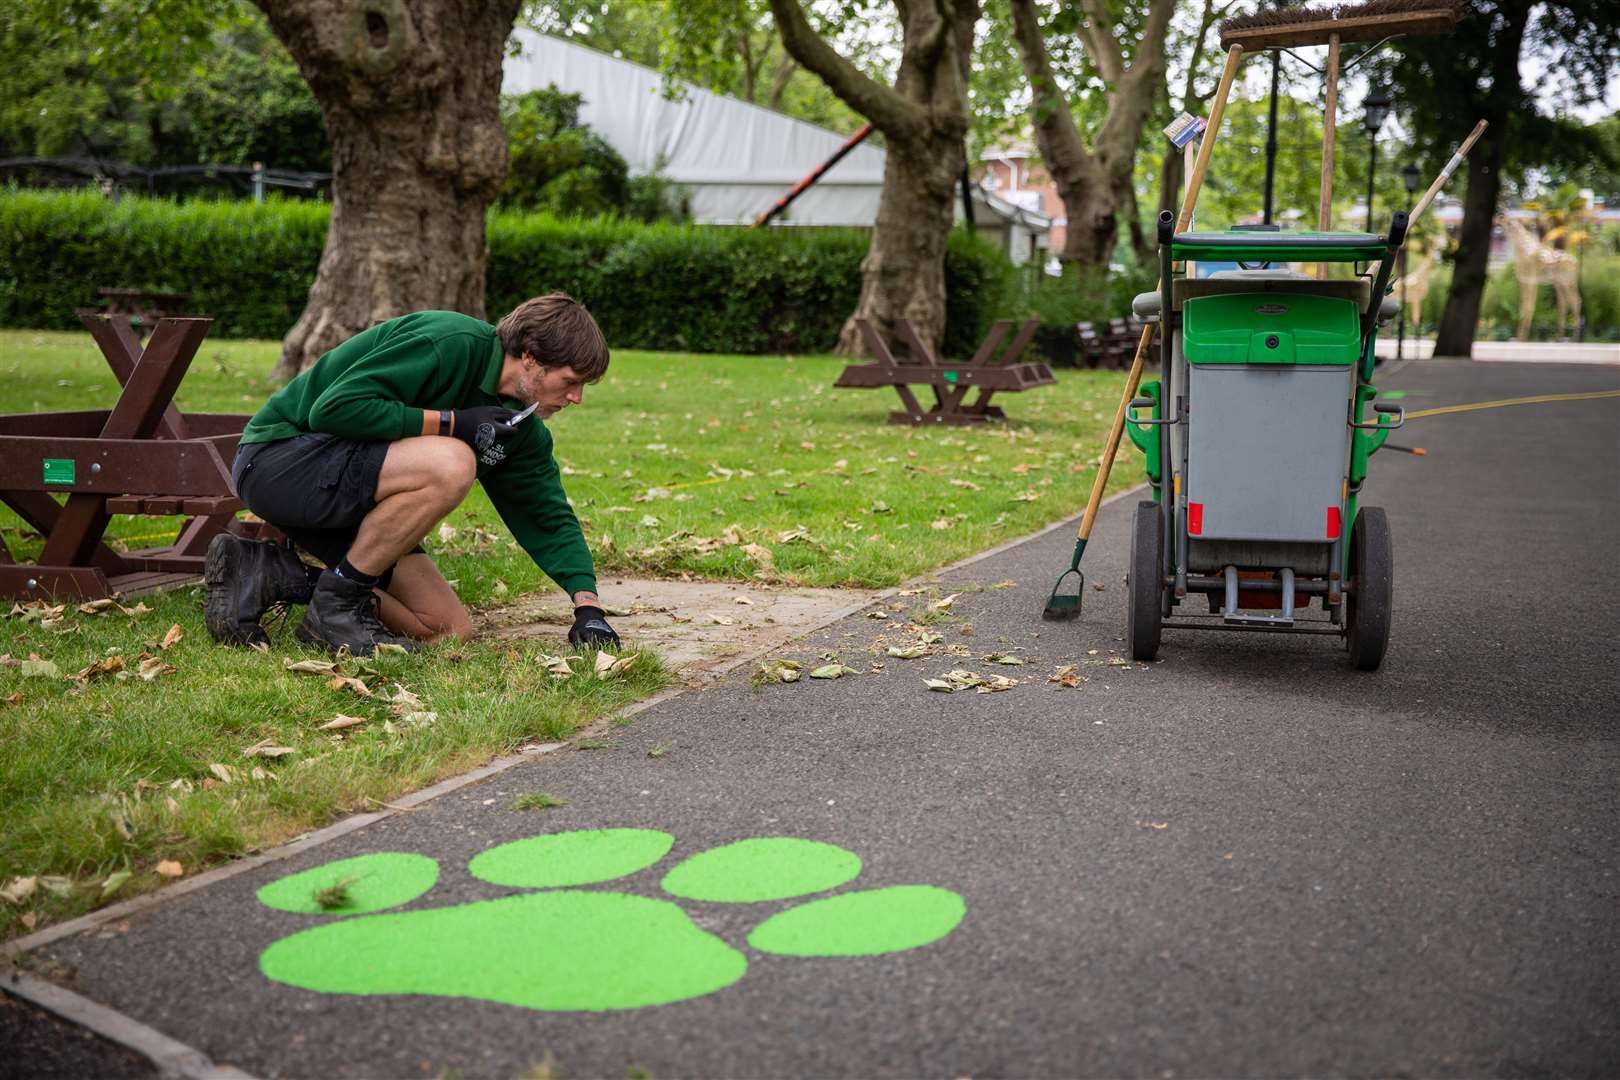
343 614
244 578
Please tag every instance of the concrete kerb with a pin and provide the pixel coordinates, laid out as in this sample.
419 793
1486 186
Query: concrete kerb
174 1058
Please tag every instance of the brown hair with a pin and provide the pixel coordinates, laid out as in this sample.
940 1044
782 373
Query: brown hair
557 331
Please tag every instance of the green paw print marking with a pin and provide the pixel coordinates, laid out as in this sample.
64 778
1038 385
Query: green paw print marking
571 949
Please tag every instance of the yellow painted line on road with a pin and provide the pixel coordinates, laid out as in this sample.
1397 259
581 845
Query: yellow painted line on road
1512 401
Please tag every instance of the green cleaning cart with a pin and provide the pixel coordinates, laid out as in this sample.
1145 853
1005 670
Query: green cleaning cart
1257 435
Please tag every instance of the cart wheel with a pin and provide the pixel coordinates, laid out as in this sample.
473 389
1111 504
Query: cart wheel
1144 619
1372 589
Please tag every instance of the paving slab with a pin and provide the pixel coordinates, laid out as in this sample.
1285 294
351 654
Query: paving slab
1244 859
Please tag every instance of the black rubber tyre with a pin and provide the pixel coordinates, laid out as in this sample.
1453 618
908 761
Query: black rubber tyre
1372 589
1144 619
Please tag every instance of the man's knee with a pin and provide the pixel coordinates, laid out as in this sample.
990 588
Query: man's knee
457 466
443 467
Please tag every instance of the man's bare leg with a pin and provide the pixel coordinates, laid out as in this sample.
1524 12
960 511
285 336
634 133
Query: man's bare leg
422 480
420 604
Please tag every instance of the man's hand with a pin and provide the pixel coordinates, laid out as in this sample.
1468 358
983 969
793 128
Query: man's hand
485 428
591 629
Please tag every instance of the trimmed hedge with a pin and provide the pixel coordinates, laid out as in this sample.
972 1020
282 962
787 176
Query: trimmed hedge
676 287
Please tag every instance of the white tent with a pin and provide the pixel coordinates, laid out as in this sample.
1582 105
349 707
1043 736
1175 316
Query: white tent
734 159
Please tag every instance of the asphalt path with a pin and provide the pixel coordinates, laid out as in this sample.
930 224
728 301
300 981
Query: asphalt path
1245 859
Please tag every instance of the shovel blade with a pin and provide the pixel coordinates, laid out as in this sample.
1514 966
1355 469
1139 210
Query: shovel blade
1060 606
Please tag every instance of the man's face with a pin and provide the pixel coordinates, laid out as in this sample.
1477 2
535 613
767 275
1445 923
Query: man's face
553 388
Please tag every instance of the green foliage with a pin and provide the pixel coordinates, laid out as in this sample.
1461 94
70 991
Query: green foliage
696 288
557 163
561 166
249 266
71 94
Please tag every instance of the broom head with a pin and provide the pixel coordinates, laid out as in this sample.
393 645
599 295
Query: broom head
1286 27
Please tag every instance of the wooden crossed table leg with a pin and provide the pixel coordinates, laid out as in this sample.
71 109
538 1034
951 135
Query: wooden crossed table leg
142 445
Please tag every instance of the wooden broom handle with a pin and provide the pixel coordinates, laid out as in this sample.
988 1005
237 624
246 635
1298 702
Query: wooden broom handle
1189 201
1330 123
1445 173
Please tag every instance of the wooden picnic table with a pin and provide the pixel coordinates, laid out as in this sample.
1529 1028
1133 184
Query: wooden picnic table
950 382
142 456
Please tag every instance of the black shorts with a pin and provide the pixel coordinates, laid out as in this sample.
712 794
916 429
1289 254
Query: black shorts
315 488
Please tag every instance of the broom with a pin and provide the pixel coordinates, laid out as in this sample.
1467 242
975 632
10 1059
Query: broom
1272 29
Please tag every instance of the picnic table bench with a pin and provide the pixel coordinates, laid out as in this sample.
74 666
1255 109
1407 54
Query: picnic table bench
142 456
146 306
950 382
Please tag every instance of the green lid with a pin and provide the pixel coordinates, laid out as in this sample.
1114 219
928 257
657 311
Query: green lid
1243 245
1270 328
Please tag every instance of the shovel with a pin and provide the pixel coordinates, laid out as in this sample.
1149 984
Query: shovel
1061 606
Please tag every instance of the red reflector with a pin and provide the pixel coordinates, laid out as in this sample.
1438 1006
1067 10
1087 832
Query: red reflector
1195 518
1333 523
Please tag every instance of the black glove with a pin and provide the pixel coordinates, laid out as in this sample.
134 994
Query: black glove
591 629
485 428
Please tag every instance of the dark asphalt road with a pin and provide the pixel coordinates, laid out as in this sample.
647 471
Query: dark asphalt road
1246 860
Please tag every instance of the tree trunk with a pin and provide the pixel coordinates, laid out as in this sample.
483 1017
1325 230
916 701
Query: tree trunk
410 90
1458 320
1093 212
924 119
903 274
1096 182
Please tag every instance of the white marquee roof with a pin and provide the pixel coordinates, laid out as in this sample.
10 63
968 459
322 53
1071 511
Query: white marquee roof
735 158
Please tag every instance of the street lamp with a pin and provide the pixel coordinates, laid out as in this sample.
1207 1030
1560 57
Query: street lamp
1410 177
1377 111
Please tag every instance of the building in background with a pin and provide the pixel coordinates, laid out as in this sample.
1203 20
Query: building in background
734 159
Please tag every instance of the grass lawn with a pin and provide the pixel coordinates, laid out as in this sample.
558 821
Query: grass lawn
727 467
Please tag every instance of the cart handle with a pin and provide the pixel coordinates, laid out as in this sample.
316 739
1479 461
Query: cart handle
1387 408
1148 403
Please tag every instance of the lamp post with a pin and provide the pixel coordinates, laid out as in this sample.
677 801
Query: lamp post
1410 177
1377 111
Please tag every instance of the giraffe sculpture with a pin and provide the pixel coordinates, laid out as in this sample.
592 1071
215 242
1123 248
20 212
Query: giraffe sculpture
1536 264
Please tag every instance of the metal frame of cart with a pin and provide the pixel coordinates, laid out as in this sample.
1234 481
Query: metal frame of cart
1259 415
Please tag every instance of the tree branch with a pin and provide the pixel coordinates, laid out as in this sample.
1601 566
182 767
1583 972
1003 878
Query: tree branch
889 112
1097 29
1060 142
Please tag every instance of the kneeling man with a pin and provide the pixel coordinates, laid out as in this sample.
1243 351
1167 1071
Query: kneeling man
361 456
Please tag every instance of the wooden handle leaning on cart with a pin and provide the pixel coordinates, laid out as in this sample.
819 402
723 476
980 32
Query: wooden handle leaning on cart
1189 201
1445 174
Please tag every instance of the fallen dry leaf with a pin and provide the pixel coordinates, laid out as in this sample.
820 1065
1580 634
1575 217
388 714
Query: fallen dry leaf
267 748
945 603
908 652
758 553
151 667
97 607
106 666
172 638
402 698
1003 658
722 620
618 667
114 882
1067 675
225 773
30 919
604 663
832 671
19 889
310 667
342 682
877 614
339 722
170 868
14 699
785 671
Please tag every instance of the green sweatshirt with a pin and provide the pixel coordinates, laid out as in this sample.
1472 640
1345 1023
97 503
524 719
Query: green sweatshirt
376 385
